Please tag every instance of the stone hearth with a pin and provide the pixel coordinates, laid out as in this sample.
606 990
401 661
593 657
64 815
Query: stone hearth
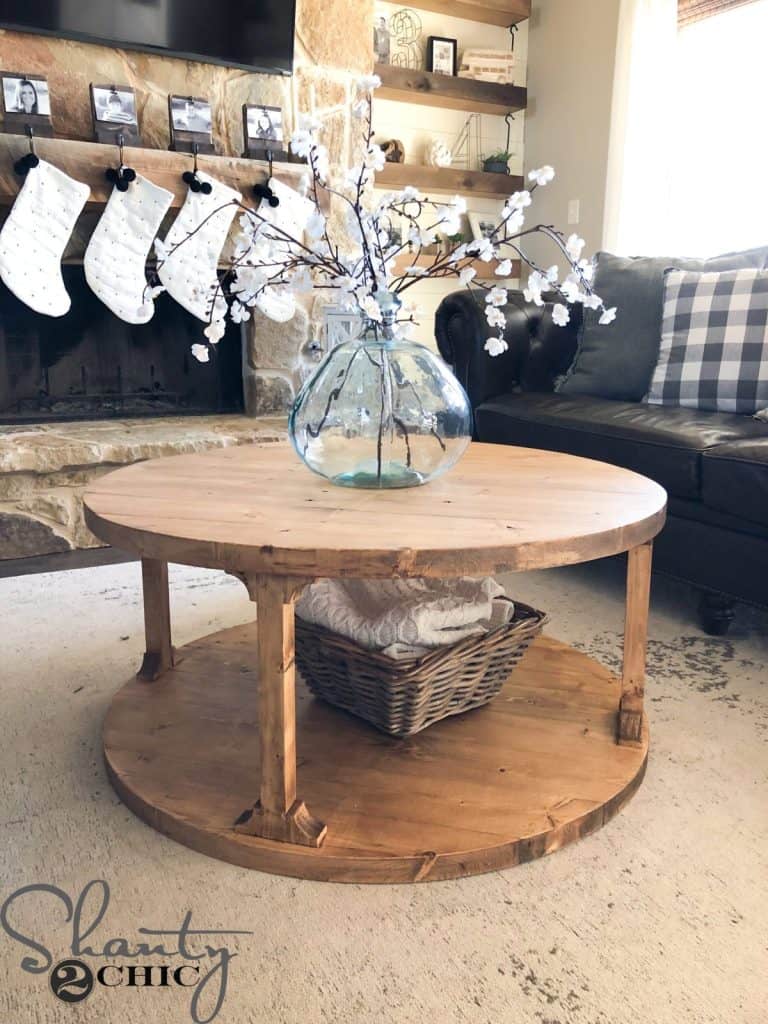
44 469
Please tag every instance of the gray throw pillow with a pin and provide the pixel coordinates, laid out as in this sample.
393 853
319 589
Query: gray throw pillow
617 361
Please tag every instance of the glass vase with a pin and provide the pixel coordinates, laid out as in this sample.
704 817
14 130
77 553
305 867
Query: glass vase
380 412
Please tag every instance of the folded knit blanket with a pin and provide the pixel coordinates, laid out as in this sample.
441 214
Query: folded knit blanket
406 618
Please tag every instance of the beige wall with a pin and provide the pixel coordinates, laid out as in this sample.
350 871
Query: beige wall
571 63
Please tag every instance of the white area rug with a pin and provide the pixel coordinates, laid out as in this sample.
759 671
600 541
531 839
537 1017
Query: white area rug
657 919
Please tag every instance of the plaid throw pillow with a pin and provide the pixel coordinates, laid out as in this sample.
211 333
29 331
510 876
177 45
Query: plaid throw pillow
714 341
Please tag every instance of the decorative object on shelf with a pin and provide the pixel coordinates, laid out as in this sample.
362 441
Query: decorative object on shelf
340 325
438 155
382 42
405 26
394 151
115 265
113 108
35 234
498 163
26 103
188 257
263 131
442 54
466 148
191 124
482 225
488 66
381 412
392 415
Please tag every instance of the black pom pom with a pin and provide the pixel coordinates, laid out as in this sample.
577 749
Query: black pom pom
112 175
194 185
206 188
129 174
262 192
122 185
274 201
188 177
26 163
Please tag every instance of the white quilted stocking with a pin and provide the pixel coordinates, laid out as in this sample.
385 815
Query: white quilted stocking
117 253
35 234
189 272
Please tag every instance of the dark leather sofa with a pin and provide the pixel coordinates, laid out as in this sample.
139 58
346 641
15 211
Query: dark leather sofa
714 466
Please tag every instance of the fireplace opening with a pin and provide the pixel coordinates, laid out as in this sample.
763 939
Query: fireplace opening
91 365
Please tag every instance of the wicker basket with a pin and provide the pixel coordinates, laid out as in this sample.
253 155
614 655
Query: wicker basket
402 697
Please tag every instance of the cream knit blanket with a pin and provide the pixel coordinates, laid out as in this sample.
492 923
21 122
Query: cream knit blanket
406 618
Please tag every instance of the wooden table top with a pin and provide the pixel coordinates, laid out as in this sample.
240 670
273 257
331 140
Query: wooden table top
257 508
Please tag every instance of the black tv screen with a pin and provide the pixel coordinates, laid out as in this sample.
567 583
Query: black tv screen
253 34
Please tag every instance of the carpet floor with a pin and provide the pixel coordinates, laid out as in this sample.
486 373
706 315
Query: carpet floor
659 918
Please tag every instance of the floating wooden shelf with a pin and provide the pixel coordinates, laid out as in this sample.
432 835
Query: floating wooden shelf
489 12
87 162
449 91
448 179
485 271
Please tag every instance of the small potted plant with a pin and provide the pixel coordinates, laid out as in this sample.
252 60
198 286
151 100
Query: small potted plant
497 163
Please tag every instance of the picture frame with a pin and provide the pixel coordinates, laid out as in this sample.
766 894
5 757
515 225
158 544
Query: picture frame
481 224
191 124
26 103
115 113
442 55
340 325
382 40
264 132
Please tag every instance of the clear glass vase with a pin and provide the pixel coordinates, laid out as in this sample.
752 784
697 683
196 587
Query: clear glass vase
381 412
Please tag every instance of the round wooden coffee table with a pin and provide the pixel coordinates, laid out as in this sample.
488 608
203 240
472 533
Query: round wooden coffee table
220 747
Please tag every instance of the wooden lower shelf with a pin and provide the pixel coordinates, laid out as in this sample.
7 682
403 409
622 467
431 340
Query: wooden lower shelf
87 162
449 179
537 768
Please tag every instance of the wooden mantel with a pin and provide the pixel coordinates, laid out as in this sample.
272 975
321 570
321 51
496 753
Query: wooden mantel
87 162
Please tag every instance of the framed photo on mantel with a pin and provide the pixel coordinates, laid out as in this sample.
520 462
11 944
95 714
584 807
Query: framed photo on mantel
26 102
114 114
191 124
263 131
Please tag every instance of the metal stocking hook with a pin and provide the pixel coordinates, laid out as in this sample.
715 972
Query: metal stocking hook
192 179
26 163
122 176
263 191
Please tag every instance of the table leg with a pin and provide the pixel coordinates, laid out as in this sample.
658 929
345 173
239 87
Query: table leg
158 656
278 814
630 730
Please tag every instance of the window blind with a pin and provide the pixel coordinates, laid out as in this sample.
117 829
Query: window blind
689 11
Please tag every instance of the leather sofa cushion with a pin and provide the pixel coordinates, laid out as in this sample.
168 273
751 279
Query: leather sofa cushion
663 443
617 361
734 478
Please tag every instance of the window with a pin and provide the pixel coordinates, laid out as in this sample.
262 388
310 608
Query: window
718 191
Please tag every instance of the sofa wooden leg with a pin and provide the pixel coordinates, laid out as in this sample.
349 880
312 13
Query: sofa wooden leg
716 613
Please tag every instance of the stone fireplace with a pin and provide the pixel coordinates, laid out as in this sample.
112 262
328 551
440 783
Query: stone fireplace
88 393
91 365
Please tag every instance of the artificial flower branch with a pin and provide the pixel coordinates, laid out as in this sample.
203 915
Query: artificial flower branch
270 265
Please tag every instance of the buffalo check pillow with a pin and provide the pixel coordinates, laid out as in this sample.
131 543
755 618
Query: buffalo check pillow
714 341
